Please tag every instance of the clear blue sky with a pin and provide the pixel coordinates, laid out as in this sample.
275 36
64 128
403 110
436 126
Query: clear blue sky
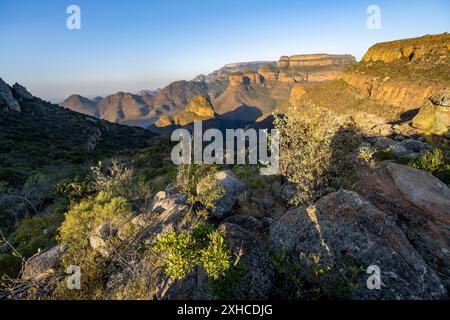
133 45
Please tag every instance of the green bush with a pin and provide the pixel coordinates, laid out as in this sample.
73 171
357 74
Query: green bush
36 232
434 162
183 251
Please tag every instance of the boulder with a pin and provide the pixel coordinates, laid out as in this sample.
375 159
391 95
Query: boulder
419 203
346 233
422 190
7 100
409 147
256 281
384 143
43 264
434 116
232 188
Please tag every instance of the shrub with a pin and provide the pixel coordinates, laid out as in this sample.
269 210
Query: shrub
85 216
184 251
318 152
434 162
37 232
115 179
189 176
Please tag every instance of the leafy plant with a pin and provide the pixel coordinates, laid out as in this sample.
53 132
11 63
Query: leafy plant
185 250
434 162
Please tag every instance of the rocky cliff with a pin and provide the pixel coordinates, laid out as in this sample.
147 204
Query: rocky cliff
403 73
430 48
307 60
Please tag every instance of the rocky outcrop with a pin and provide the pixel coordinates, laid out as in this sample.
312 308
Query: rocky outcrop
307 60
431 48
21 91
94 139
7 100
269 72
342 230
223 73
434 116
198 109
231 189
419 203
403 73
405 96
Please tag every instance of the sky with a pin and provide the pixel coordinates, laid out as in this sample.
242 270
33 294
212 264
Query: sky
146 44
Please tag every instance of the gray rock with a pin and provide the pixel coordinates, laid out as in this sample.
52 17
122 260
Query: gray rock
43 264
232 187
247 222
408 147
7 100
405 193
423 190
21 91
162 201
344 230
256 282
384 143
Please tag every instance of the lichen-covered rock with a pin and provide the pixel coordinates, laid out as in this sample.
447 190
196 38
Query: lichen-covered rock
43 264
232 188
343 230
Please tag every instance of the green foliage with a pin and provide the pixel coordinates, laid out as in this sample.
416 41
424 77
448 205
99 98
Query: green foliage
185 250
225 286
91 212
434 162
189 176
75 189
314 279
36 232
317 152
10 265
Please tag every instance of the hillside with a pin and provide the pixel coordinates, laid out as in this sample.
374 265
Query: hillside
403 73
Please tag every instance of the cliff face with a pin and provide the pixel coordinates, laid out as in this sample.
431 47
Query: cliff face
404 95
308 67
403 73
307 60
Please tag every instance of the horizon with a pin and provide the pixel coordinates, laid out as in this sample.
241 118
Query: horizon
147 45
